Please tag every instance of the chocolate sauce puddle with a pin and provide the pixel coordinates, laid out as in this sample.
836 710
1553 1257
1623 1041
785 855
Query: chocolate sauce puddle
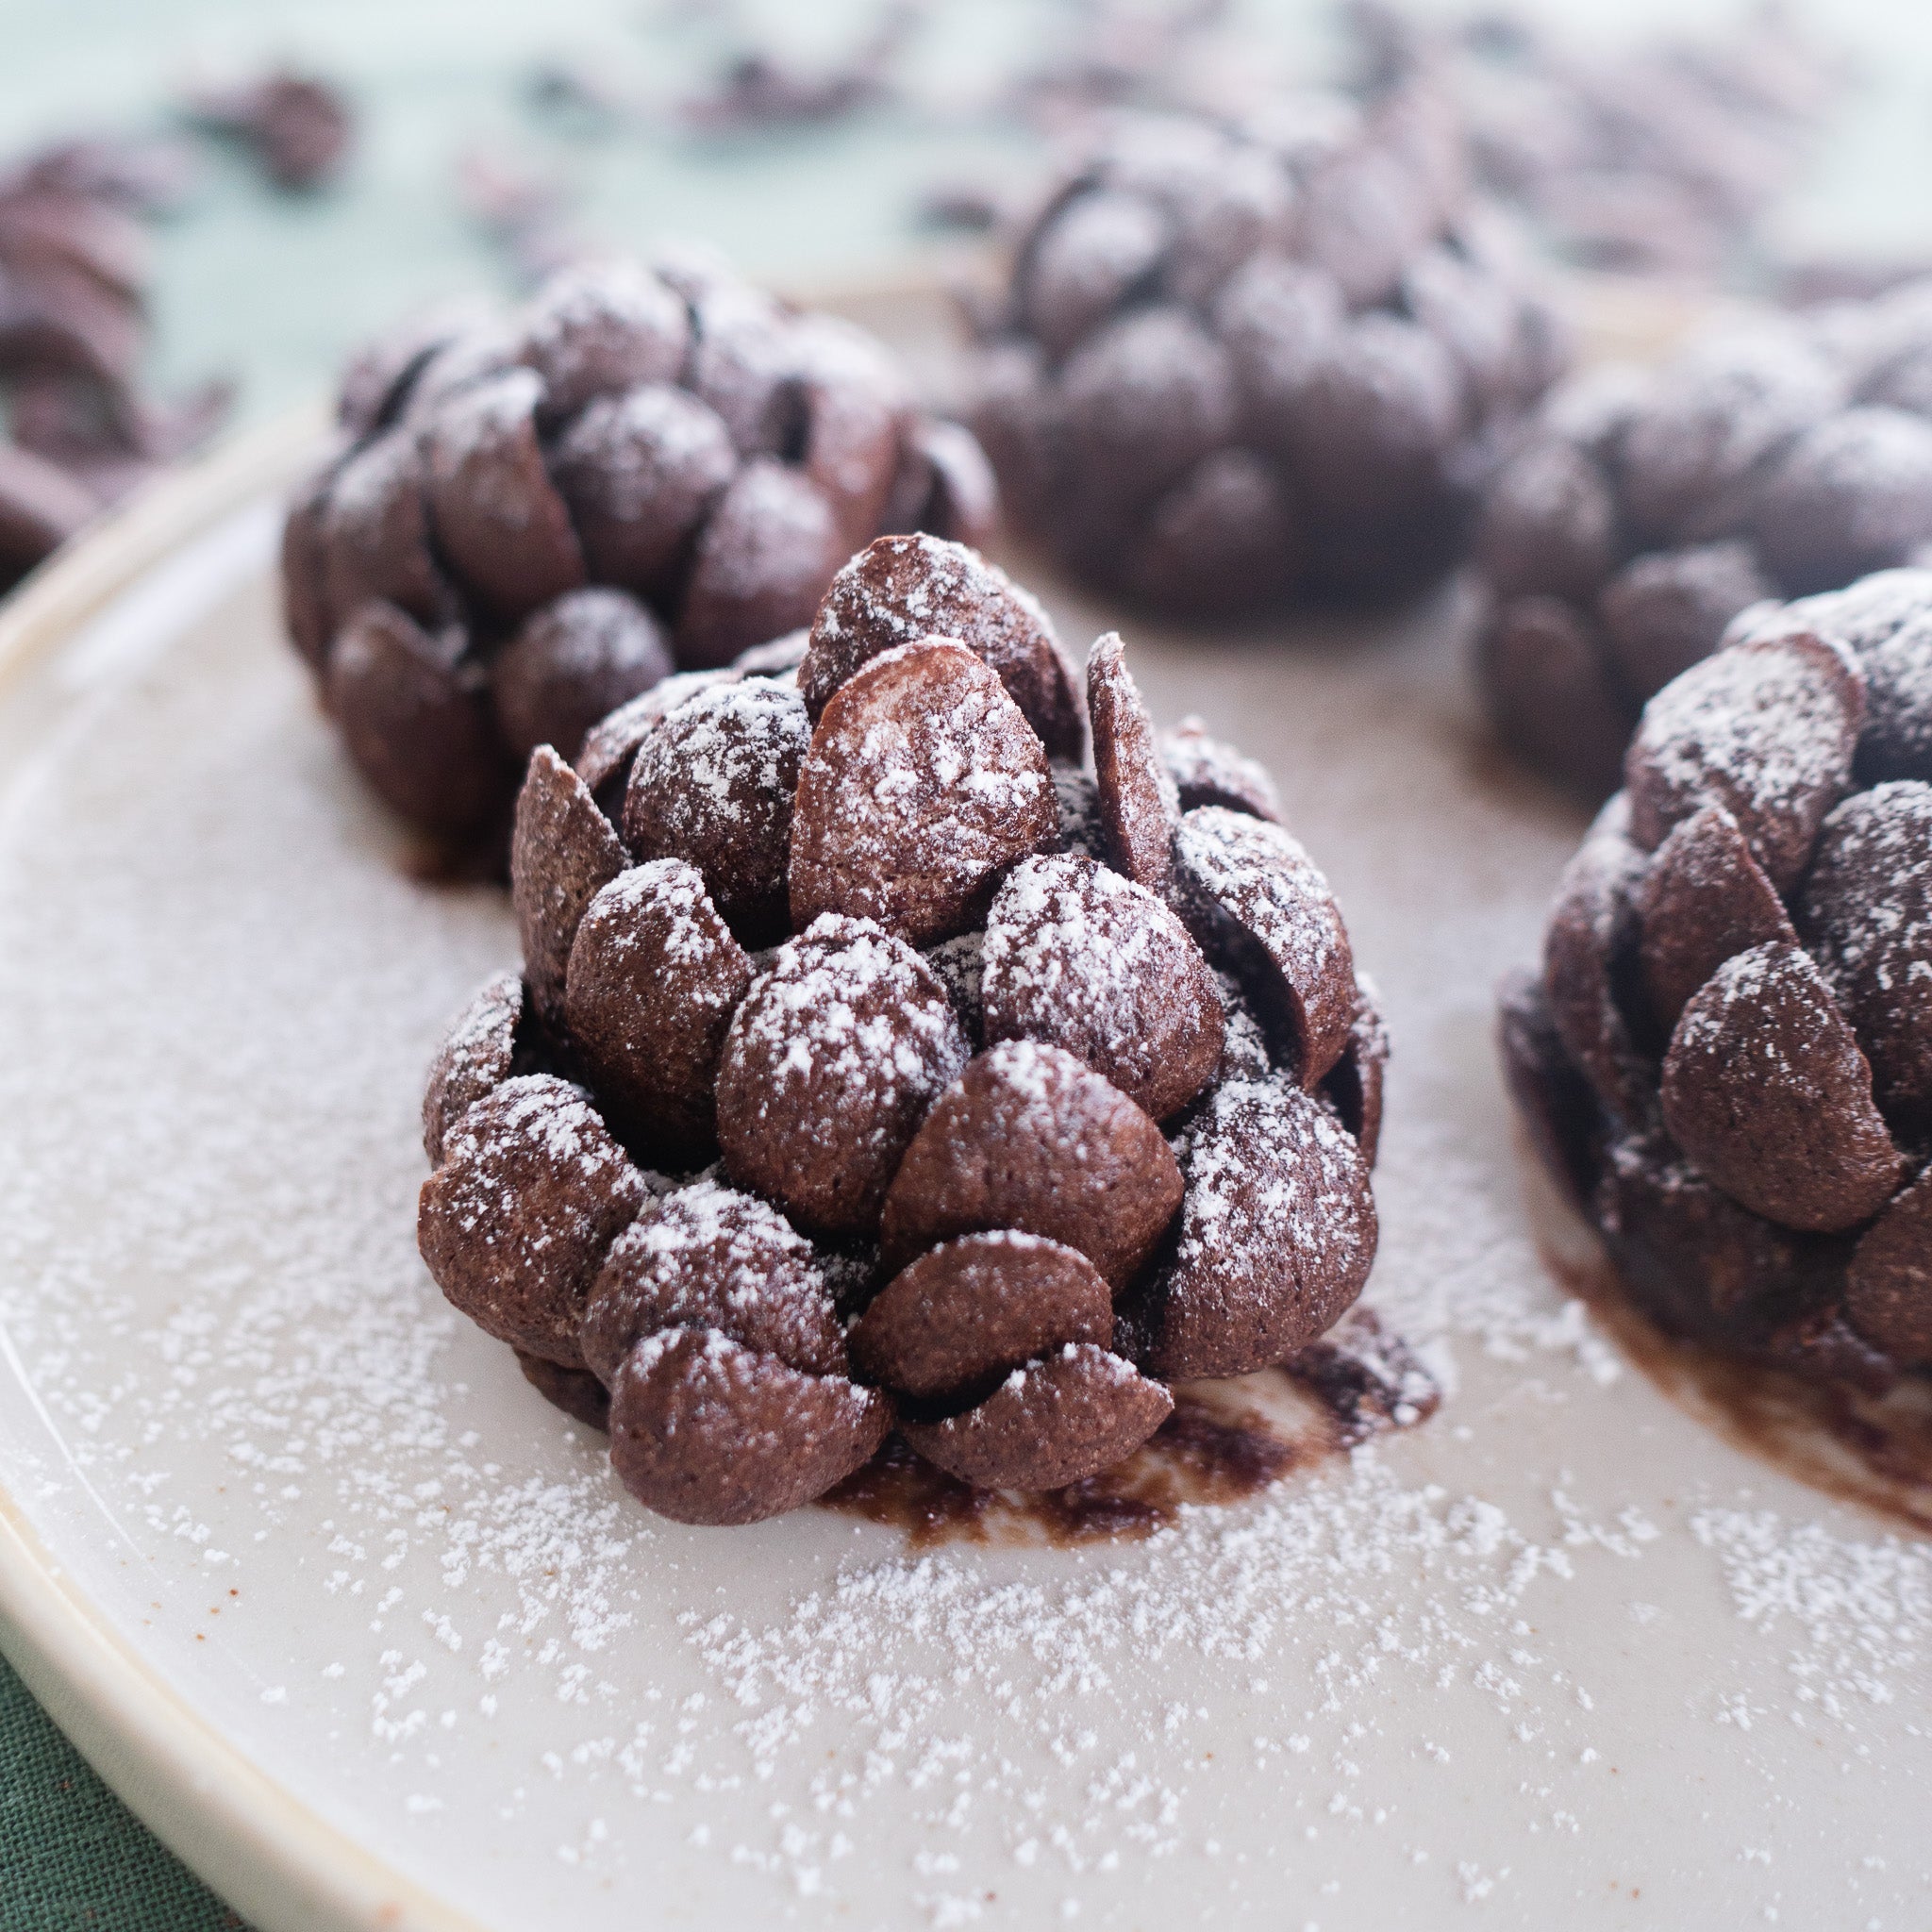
1859 1447
1224 1441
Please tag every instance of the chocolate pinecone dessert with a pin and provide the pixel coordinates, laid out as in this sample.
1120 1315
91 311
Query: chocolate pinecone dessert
531 519
1727 1061
1237 363
1640 512
876 1064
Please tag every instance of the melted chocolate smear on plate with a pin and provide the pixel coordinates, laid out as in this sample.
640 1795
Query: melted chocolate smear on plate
1223 1442
1854 1445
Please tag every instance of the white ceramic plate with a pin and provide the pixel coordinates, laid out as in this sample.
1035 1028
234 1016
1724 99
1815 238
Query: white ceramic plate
372 1638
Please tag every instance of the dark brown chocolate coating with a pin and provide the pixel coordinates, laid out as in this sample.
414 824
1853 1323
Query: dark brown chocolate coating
1897 739
851 400
1262 908
766 553
1714 415
1053 1422
497 515
1588 946
1380 417
571 663
1548 525
1694 1260
1030 1138
1666 610
1080 958
703 1430
1888 1288
945 485
1703 898
477 1055
714 784
1557 1107
923 784
832 1061
653 981
904 589
26 535
576 1392
609 746
515 1223
958 1318
1545 680
562 854
1224 535
1139 804
1866 910
601 328
1767 729
641 472
1278 1233
1766 1089
417 720
373 540
1353 1086
1208 771
1852 494
1144 398
707 1256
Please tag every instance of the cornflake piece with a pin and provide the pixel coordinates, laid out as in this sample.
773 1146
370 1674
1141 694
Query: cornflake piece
832 1060
1030 1138
1080 958
923 785
1258 902
1278 1232
515 1223
1765 1088
1052 1423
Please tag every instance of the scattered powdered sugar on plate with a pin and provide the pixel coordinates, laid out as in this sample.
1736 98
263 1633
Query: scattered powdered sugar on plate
1424 1677
1854 1618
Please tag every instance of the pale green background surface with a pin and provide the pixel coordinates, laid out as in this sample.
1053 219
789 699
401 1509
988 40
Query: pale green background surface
273 290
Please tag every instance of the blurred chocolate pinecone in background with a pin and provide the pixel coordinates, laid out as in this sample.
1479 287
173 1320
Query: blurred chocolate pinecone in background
1641 511
1231 364
531 518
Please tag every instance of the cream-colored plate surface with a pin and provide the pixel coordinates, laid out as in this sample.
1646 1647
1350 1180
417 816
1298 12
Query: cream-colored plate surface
372 1636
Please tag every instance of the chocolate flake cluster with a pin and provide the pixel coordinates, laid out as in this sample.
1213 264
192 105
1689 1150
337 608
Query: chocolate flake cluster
533 518
80 430
876 1064
1236 363
1727 1061
1642 511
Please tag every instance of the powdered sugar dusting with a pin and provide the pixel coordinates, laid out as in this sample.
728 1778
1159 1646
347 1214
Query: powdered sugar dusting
1273 1180
1763 730
1428 1683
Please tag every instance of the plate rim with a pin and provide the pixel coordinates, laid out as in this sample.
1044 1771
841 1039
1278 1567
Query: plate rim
260 1847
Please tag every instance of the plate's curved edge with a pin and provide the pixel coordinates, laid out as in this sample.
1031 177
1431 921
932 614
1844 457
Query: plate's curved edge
267 1854
136 535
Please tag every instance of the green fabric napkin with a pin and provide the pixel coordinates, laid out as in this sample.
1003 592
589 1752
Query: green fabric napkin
73 1858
